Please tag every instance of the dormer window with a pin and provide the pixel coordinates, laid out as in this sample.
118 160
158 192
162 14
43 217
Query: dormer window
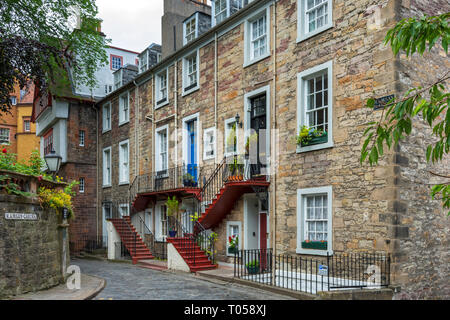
222 9
190 29
143 61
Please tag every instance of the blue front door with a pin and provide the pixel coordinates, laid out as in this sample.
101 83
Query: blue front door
192 149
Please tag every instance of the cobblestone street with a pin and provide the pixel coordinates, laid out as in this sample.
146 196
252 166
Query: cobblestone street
125 281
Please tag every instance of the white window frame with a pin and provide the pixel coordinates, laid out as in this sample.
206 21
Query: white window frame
143 62
159 76
302 100
82 185
106 121
81 137
248 52
206 143
124 117
158 163
27 122
107 178
226 131
240 242
301 223
13 100
302 21
194 33
123 206
124 170
186 75
8 130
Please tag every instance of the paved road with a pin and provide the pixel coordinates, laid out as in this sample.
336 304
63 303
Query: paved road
125 281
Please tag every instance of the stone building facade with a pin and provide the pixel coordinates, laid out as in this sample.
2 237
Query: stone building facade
319 75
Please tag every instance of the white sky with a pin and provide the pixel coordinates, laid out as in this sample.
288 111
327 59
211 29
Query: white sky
131 24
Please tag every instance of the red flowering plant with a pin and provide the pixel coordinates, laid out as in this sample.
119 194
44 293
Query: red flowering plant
233 241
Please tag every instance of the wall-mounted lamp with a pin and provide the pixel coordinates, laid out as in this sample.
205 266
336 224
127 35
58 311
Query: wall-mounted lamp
237 118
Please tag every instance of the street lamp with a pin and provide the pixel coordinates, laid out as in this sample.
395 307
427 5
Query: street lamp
237 118
53 162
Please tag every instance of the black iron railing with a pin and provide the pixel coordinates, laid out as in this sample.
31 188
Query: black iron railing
312 275
168 179
117 210
121 251
234 168
88 244
192 237
157 248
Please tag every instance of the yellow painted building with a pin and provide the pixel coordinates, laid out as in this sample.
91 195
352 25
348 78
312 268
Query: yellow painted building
22 138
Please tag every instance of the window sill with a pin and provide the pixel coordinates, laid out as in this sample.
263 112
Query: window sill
161 104
314 33
105 131
124 183
123 122
248 63
185 93
314 252
106 186
209 158
314 147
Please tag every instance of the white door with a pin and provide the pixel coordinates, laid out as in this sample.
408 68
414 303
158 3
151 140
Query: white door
161 222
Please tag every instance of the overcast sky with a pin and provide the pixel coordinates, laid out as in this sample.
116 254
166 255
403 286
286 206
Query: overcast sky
131 24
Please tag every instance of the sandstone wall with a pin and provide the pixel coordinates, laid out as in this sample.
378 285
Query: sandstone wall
30 250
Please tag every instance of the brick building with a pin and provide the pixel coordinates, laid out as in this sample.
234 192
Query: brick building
262 68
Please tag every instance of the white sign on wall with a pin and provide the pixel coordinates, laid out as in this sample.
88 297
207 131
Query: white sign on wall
21 216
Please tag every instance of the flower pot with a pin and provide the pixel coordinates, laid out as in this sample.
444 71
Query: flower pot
316 140
253 270
233 250
172 233
318 245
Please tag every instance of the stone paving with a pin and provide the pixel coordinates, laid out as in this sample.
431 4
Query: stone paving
125 281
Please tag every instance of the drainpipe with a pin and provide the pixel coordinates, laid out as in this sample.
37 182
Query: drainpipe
274 126
136 123
215 92
96 169
175 77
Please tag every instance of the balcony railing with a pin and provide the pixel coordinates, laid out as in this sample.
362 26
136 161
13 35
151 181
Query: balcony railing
169 179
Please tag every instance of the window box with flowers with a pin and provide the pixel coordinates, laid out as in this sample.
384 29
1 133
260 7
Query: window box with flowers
318 245
233 244
309 137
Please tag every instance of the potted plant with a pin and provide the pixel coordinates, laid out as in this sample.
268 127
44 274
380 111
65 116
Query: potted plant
309 137
318 245
188 180
236 170
252 267
172 209
233 244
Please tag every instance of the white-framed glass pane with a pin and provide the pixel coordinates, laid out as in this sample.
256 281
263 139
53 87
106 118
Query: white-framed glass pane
317 102
316 14
220 11
4 135
316 217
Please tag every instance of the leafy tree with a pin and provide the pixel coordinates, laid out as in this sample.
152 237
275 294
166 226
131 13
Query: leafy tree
430 102
37 40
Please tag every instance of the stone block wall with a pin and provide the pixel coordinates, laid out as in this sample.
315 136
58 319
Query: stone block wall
421 227
30 250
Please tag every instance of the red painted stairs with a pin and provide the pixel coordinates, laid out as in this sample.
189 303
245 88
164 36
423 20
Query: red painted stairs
224 201
127 234
191 252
